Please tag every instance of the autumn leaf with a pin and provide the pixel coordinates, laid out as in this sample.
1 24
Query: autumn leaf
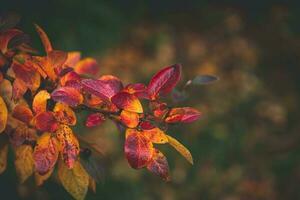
39 103
45 40
184 115
69 145
40 179
45 153
92 184
5 38
18 89
94 119
181 149
75 180
3 115
87 66
138 89
24 162
67 95
138 149
3 156
64 114
106 87
159 109
156 135
22 113
21 134
45 121
128 102
129 119
159 165
73 58
164 81
70 77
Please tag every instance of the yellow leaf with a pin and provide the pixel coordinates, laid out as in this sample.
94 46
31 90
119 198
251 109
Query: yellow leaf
3 157
156 135
64 114
39 103
24 162
3 115
181 149
75 180
92 184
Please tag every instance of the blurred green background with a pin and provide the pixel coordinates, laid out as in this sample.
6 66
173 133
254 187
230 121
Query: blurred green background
246 146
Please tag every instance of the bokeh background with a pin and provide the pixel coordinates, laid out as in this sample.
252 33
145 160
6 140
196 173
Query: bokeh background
246 146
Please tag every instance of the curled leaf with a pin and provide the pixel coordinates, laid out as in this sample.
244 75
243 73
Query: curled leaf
138 149
64 114
184 115
129 119
39 103
67 95
69 145
126 101
45 153
3 115
5 38
181 149
159 165
164 81
24 162
94 119
45 40
75 180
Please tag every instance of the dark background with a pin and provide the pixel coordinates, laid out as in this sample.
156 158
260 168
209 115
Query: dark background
246 146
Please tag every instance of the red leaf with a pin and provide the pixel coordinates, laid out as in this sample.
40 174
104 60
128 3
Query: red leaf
146 125
138 89
159 165
45 153
184 115
104 88
5 37
159 109
164 81
45 121
138 149
94 119
126 101
67 95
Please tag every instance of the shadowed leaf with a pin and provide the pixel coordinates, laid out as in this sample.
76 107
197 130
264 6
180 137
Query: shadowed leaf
3 115
184 115
64 114
94 119
67 95
22 113
24 162
45 40
159 165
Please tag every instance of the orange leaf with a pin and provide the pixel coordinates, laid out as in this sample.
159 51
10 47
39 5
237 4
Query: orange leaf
21 134
126 101
3 115
87 66
129 119
39 103
184 115
69 145
22 113
45 153
138 149
181 149
156 135
159 165
19 89
24 162
64 114
73 58
45 40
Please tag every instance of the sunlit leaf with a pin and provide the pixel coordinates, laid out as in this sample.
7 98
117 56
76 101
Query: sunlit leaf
159 165
45 153
67 95
73 58
64 114
70 77
126 101
184 115
45 121
156 135
3 115
129 119
24 162
87 66
138 89
39 103
75 180
181 149
45 40
164 81
138 149
69 145
94 119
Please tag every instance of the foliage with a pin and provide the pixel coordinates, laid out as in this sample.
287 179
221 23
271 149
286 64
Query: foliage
41 95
